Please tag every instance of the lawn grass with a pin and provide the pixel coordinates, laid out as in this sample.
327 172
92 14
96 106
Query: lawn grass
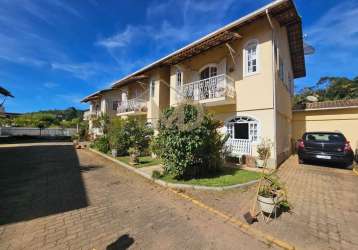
144 161
227 177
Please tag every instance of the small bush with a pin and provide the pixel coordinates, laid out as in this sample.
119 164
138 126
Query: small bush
188 142
129 133
101 144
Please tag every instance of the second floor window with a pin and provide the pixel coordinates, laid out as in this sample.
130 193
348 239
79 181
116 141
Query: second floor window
179 78
208 72
251 58
115 105
152 88
281 71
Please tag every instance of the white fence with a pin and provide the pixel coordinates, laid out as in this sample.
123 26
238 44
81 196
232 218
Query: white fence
21 131
239 147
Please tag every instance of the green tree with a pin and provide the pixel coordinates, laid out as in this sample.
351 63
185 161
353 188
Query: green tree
188 142
330 88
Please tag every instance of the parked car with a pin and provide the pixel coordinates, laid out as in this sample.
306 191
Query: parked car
325 146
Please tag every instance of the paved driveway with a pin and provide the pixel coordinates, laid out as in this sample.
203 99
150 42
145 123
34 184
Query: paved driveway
325 206
54 197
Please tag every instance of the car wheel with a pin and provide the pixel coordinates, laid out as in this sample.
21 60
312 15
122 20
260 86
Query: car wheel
349 165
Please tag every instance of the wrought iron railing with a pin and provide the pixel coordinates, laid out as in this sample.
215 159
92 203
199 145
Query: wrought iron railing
135 104
209 88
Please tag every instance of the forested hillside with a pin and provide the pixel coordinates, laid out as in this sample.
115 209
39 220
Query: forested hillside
330 88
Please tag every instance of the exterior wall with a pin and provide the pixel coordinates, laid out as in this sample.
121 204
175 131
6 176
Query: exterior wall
343 120
254 93
108 99
161 97
283 94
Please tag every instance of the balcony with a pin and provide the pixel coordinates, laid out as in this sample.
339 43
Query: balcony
135 106
87 115
216 90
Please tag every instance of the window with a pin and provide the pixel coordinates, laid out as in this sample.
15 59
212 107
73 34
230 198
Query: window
208 72
281 70
251 58
179 78
291 84
115 105
243 128
152 88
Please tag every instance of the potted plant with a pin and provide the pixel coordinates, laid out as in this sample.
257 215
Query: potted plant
134 155
272 195
113 143
264 153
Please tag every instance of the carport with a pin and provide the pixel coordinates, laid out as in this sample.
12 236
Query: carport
339 115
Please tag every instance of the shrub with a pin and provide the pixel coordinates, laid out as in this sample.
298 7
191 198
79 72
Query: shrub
264 149
101 144
188 142
126 133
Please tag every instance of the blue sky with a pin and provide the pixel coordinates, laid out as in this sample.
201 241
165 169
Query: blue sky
53 53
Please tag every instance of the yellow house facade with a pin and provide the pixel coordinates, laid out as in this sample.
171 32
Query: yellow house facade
340 116
242 73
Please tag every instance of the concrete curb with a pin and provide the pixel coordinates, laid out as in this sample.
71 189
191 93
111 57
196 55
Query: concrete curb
172 185
244 227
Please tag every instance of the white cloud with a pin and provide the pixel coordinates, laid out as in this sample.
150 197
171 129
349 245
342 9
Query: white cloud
123 38
81 70
337 27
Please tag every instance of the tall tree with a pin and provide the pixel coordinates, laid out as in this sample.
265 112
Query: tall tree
330 88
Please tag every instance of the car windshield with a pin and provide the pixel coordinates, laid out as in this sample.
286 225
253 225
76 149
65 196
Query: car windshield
324 137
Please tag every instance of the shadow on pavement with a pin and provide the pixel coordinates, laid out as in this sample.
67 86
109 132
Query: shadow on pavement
37 181
121 243
32 139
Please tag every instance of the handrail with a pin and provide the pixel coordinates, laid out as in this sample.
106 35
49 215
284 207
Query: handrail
134 104
212 87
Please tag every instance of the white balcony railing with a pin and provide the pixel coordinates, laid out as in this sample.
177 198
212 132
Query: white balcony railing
87 115
239 147
132 105
209 88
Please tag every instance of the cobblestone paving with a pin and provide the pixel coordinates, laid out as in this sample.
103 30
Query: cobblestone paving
325 201
53 197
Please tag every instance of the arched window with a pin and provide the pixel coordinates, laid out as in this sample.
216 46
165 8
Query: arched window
244 128
251 59
209 71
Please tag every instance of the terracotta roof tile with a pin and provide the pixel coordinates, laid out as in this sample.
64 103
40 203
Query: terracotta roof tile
328 104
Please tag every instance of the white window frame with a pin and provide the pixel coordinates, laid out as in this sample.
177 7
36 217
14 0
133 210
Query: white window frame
248 45
209 65
251 121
